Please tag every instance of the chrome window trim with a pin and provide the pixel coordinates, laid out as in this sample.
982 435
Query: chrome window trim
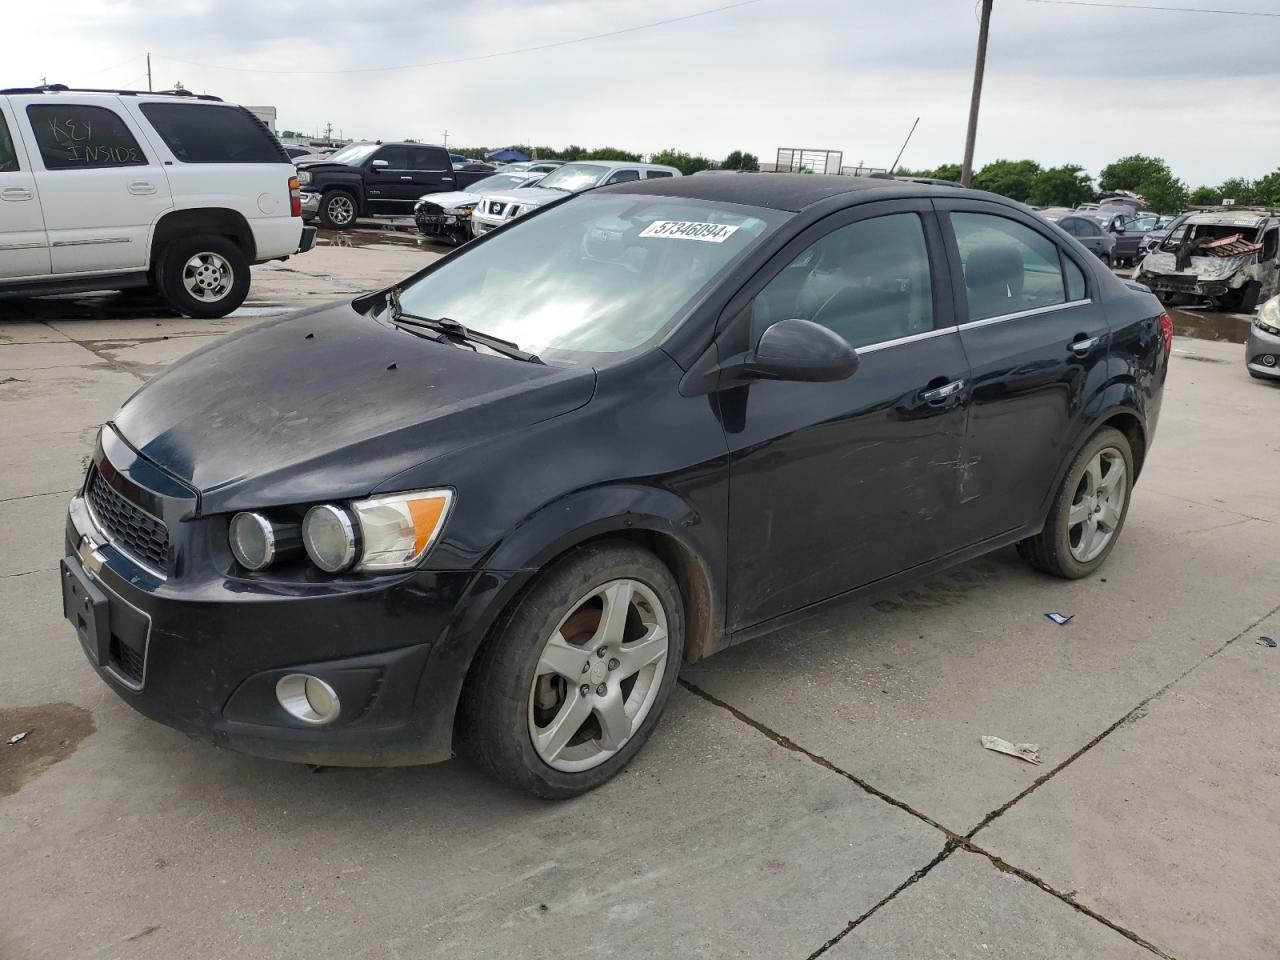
910 338
81 243
1035 311
23 246
115 544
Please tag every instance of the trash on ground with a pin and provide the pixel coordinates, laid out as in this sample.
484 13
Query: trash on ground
1060 618
1266 641
19 737
1029 752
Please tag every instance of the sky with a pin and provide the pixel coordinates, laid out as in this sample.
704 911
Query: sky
1064 84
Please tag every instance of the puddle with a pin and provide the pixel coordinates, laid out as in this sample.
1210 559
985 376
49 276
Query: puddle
1206 325
53 731
102 306
373 237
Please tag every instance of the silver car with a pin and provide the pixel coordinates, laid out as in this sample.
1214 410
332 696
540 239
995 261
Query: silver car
447 216
1262 349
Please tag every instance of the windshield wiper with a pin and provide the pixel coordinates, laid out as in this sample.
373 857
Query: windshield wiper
453 330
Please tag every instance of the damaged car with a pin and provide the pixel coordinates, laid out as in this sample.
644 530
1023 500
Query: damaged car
446 217
488 508
1224 256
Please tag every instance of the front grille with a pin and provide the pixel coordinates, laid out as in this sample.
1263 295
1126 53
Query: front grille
134 531
496 208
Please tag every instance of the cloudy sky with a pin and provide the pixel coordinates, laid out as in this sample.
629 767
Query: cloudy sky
1064 83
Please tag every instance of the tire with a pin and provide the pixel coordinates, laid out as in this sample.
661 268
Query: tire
1052 550
204 276
338 210
513 695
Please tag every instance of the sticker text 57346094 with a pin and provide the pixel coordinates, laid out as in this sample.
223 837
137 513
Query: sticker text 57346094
689 230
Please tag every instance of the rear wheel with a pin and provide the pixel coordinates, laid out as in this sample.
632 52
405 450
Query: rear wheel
204 276
1088 511
572 684
338 210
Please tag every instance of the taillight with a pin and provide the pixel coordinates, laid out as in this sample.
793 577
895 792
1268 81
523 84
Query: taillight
295 198
1166 332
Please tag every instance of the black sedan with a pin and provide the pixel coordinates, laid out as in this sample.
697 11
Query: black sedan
496 507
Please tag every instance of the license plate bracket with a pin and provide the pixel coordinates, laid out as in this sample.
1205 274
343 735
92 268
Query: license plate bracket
87 609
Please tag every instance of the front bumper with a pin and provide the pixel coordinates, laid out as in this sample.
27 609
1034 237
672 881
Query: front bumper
1262 352
200 648
1181 283
310 203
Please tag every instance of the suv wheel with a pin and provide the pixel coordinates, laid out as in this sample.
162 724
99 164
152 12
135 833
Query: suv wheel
1088 512
572 683
337 210
204 276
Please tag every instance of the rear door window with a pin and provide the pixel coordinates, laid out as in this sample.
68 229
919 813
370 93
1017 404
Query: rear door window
213 133
428 160
622 176
1072 226
8 155
74 136
1008 267
655 174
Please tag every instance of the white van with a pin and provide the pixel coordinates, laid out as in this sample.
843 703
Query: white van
112 190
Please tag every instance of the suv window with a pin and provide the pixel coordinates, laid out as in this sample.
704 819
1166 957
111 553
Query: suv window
868 282
424 158
8 155
71 136
208 133
622 176
1008 267
655 174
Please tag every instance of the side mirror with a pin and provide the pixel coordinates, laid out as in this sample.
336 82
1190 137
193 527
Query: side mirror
799 350
379 163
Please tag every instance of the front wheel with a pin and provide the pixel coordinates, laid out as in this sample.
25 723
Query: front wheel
1088 511
572 684
338 210
204 276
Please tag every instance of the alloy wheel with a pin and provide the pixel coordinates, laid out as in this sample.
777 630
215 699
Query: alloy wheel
598 675
1098 505
341 210
208 277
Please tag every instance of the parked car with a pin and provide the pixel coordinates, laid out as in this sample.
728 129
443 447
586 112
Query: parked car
533 166
173 192
447 216
1262 348
377 180
489 507
1091 236
1227 256
1167 225
571 178
1130 233
296 152
1053 213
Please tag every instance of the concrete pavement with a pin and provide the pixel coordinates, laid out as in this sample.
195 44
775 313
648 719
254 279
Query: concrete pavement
816 792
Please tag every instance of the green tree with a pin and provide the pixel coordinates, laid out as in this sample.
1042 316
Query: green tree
1165 193
1009 178
1130 173
1205 196
684 162
1267 189
1063 186
610 153
1238 189
737 160
948 171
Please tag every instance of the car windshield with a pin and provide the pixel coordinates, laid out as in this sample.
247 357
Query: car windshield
500 181
573 177
353 153
591 278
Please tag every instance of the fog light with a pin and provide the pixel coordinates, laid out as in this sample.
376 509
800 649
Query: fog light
1269 360
308 698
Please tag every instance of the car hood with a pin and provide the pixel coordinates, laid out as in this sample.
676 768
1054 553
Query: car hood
331 404
446 200
313 165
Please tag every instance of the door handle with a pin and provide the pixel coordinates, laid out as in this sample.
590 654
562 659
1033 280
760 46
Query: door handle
406 178
16 193
1081 345
939 394
142 188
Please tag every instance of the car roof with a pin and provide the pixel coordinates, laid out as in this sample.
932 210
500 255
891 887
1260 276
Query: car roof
1242 218
629 164
792 191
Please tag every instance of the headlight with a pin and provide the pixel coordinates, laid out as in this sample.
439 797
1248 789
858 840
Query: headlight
304 177
1269 316
398 530
461 211
257 541
330 536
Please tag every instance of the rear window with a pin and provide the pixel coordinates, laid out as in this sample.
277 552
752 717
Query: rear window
71 136
207 133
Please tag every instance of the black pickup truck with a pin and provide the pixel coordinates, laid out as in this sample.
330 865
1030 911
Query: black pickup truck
378 179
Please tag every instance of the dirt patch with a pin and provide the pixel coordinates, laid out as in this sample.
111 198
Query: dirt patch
53 732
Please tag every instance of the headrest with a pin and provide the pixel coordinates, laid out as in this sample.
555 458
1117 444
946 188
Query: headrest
994 265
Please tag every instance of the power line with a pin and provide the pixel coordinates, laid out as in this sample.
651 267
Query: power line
1143 6
482 56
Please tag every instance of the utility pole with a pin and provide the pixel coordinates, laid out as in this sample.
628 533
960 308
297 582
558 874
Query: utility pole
966 172
148 73
446 139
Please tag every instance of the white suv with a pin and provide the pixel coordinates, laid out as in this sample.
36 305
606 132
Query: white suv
112 190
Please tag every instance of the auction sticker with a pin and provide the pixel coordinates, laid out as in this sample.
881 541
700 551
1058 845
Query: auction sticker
689 230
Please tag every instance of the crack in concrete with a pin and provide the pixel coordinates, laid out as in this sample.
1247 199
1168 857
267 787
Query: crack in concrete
33 496
27 573
110 361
